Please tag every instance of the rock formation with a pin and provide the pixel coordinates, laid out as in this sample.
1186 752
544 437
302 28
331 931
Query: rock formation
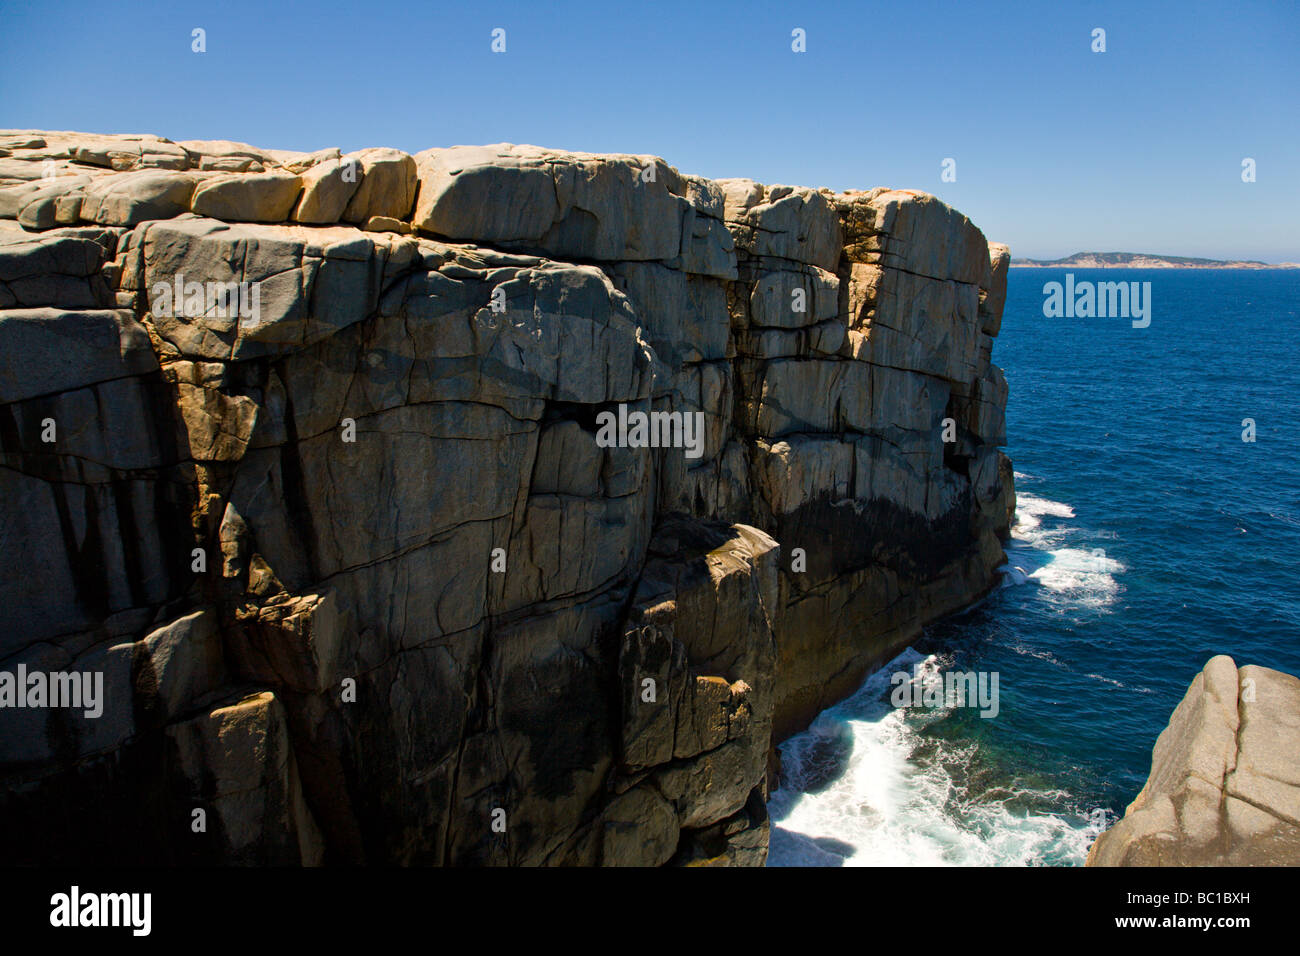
300 453
1224 788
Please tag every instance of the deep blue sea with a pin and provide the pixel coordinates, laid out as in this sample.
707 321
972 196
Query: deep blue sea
1149 537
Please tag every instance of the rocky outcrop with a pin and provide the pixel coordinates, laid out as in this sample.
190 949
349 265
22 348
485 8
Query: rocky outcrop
1224 788
309 455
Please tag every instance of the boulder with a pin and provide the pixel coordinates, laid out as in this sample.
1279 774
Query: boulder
130 198
1224 788
260 197
387 185
327 189
569 205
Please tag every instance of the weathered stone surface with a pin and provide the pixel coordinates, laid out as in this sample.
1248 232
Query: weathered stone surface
240 764
784 222
132 198
61 269
328 509
739 840
222 155
146 683
906 229
44 351
386 224
1224 788
387 185
310 283
264 197
301 162
993 294
327 188
36 204
93 150
130 152
639 828
696 695
569 205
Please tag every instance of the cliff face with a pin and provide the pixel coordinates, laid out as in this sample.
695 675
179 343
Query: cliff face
364 566
1224 788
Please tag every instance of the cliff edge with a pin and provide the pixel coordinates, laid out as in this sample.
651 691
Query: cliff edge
487 505
1224 788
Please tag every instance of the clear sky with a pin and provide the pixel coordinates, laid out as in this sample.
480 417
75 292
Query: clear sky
1058 149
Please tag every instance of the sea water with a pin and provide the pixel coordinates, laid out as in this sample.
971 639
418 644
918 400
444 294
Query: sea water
1148 537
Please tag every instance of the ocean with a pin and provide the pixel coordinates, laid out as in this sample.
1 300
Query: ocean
1148 537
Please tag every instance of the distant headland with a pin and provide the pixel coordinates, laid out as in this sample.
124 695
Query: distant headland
1141 260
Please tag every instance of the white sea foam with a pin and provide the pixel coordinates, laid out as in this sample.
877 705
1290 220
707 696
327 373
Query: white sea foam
1030 511
1044 550
1013 575
855 793
1019 648
1120 684
864 787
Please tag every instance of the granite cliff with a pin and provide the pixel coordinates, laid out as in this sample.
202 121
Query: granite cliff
1224 788
301 454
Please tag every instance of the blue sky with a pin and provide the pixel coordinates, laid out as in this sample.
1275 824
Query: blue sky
1058 149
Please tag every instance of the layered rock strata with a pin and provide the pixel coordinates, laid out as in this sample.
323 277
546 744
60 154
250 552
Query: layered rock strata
303 454
1224 788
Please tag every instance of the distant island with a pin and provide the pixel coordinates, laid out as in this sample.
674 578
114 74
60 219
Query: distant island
1140 260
